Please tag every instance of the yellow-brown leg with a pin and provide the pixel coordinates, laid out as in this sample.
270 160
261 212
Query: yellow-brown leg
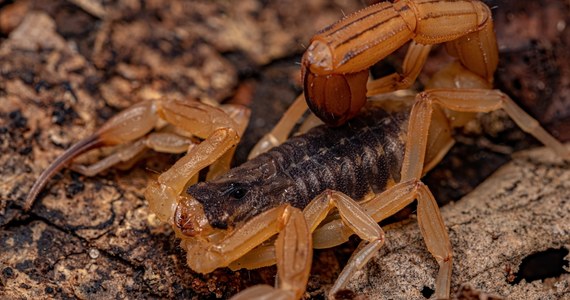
480 100
352 216
388 203
294 252
413 63
158 141
281 131
357 220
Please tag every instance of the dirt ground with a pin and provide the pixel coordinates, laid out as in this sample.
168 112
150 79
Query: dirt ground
67 66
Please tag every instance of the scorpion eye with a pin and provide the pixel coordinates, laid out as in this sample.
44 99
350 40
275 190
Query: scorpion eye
238 192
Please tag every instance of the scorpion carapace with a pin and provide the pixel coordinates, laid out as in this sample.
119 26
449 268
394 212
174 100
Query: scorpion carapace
356 159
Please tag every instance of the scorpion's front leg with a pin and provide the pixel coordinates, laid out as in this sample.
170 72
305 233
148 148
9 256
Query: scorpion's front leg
293 250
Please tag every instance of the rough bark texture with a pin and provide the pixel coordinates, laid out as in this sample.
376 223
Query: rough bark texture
67 66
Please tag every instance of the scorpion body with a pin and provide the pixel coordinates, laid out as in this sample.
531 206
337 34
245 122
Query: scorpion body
359 158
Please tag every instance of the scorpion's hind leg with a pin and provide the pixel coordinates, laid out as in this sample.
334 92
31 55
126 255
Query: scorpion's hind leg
220 133
383 206
483 100
129 125
414 61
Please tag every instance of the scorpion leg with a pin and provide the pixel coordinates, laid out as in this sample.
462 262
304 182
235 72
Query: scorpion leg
352 216
429 220
480 100
310 122
158 141
281 131
293 251
388 203
261 256
413 63
357 220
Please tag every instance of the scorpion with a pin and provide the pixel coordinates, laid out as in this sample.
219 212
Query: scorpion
317 189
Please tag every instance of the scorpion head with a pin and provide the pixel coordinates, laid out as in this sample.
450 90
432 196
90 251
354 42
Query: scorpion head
236 196
334 98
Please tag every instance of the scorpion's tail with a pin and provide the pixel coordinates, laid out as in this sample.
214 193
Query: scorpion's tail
77 149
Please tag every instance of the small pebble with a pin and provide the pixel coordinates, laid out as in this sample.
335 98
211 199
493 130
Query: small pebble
93 253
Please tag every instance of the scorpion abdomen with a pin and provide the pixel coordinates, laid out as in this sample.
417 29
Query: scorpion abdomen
362 156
